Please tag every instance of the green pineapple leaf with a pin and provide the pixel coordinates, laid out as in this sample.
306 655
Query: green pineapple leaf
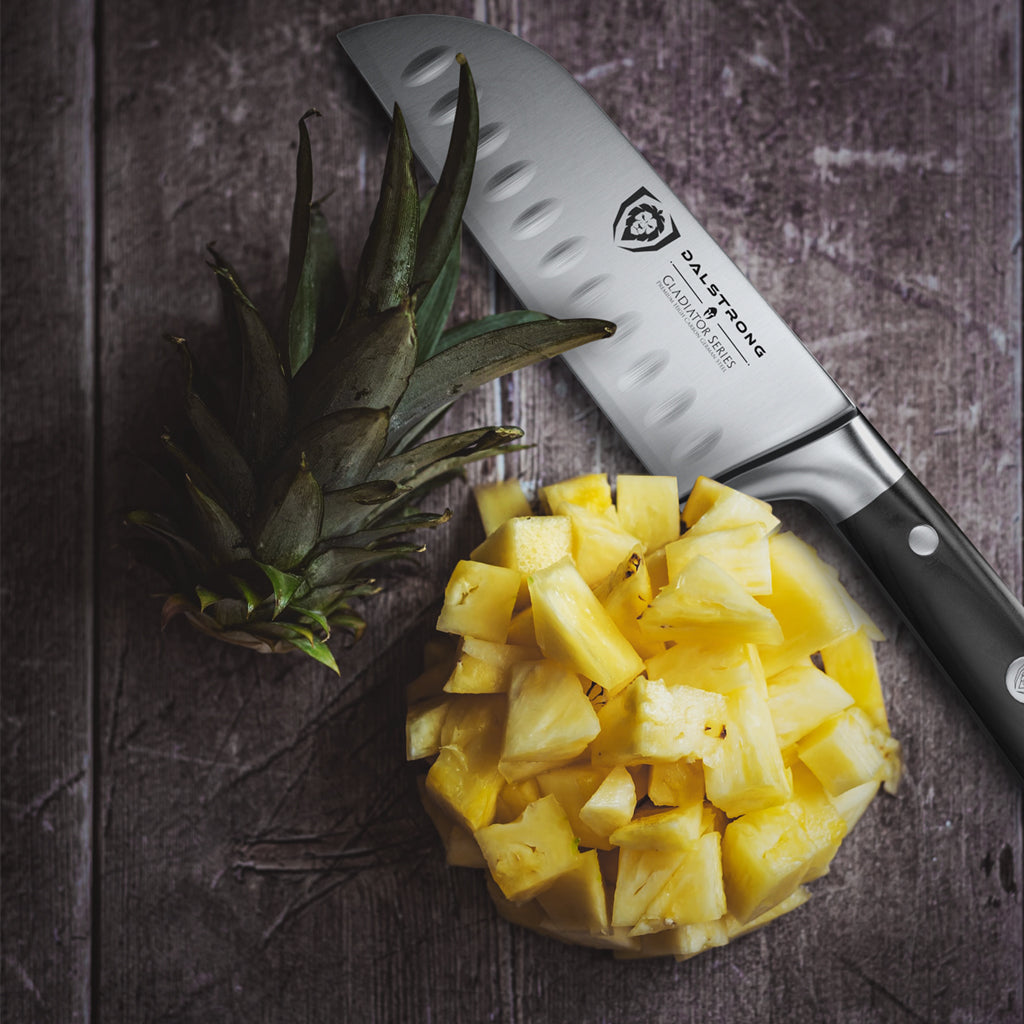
434 309
367 366
462 333
443 221
263 407
410 463
340 448
290 525
224 540
463 367
285 584
226 466
299 302
386 266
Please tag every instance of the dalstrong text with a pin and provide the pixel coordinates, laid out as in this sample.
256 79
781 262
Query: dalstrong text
716 293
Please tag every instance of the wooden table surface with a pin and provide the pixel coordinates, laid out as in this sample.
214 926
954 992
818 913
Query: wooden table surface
197 833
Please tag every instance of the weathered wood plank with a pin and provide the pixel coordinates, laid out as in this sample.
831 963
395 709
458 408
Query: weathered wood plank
48 424
264 855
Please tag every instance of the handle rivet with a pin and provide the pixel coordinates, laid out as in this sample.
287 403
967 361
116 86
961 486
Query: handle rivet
923 540
1015 679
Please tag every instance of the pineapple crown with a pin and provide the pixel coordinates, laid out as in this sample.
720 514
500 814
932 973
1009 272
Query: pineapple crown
315 478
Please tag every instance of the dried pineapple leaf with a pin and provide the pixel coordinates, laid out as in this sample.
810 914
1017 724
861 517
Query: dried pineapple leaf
465 366
386 265
368 365
291 523
341 448
443 220
263 403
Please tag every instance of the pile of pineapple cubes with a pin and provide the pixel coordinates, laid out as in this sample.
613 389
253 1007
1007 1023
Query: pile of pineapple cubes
651 740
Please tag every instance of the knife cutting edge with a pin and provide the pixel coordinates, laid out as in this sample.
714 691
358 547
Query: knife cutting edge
701 376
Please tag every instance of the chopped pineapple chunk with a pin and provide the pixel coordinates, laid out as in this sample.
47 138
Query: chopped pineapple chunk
649 508
591 490
499 501
630 730
478 601
550 720
572 627
526 855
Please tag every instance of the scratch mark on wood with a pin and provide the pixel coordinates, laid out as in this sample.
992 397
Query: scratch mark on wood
875 986
23 976
33 809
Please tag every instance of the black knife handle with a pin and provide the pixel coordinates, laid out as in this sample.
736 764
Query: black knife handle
952 600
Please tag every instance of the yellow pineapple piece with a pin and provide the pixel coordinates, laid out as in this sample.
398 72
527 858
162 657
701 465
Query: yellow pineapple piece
478 601
720 667
572 627
438 661
498 501
657 568
641 874
693 894
841 752
685 940
704 604
610 806
526 855
765 856
486 667
520 630
591 490
715 506
850 661
747 771
526 544
801 698
461 849
513 798
661 830
650 722
625 595
576 901
464 777
823 824
648 507
797 898
550 720
742 551
677 784
574 786
851 805
807 600
599 543
424 723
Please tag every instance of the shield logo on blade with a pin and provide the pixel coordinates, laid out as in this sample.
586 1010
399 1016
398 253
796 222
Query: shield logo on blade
642 224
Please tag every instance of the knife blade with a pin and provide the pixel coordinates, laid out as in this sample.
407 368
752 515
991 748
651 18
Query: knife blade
702 376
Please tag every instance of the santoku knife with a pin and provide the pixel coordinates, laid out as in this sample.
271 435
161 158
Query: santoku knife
701 376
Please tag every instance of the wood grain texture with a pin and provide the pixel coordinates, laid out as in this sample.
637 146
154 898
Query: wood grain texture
49 437
260 853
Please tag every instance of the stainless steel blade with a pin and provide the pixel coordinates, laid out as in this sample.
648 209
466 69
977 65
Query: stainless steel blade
702 376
